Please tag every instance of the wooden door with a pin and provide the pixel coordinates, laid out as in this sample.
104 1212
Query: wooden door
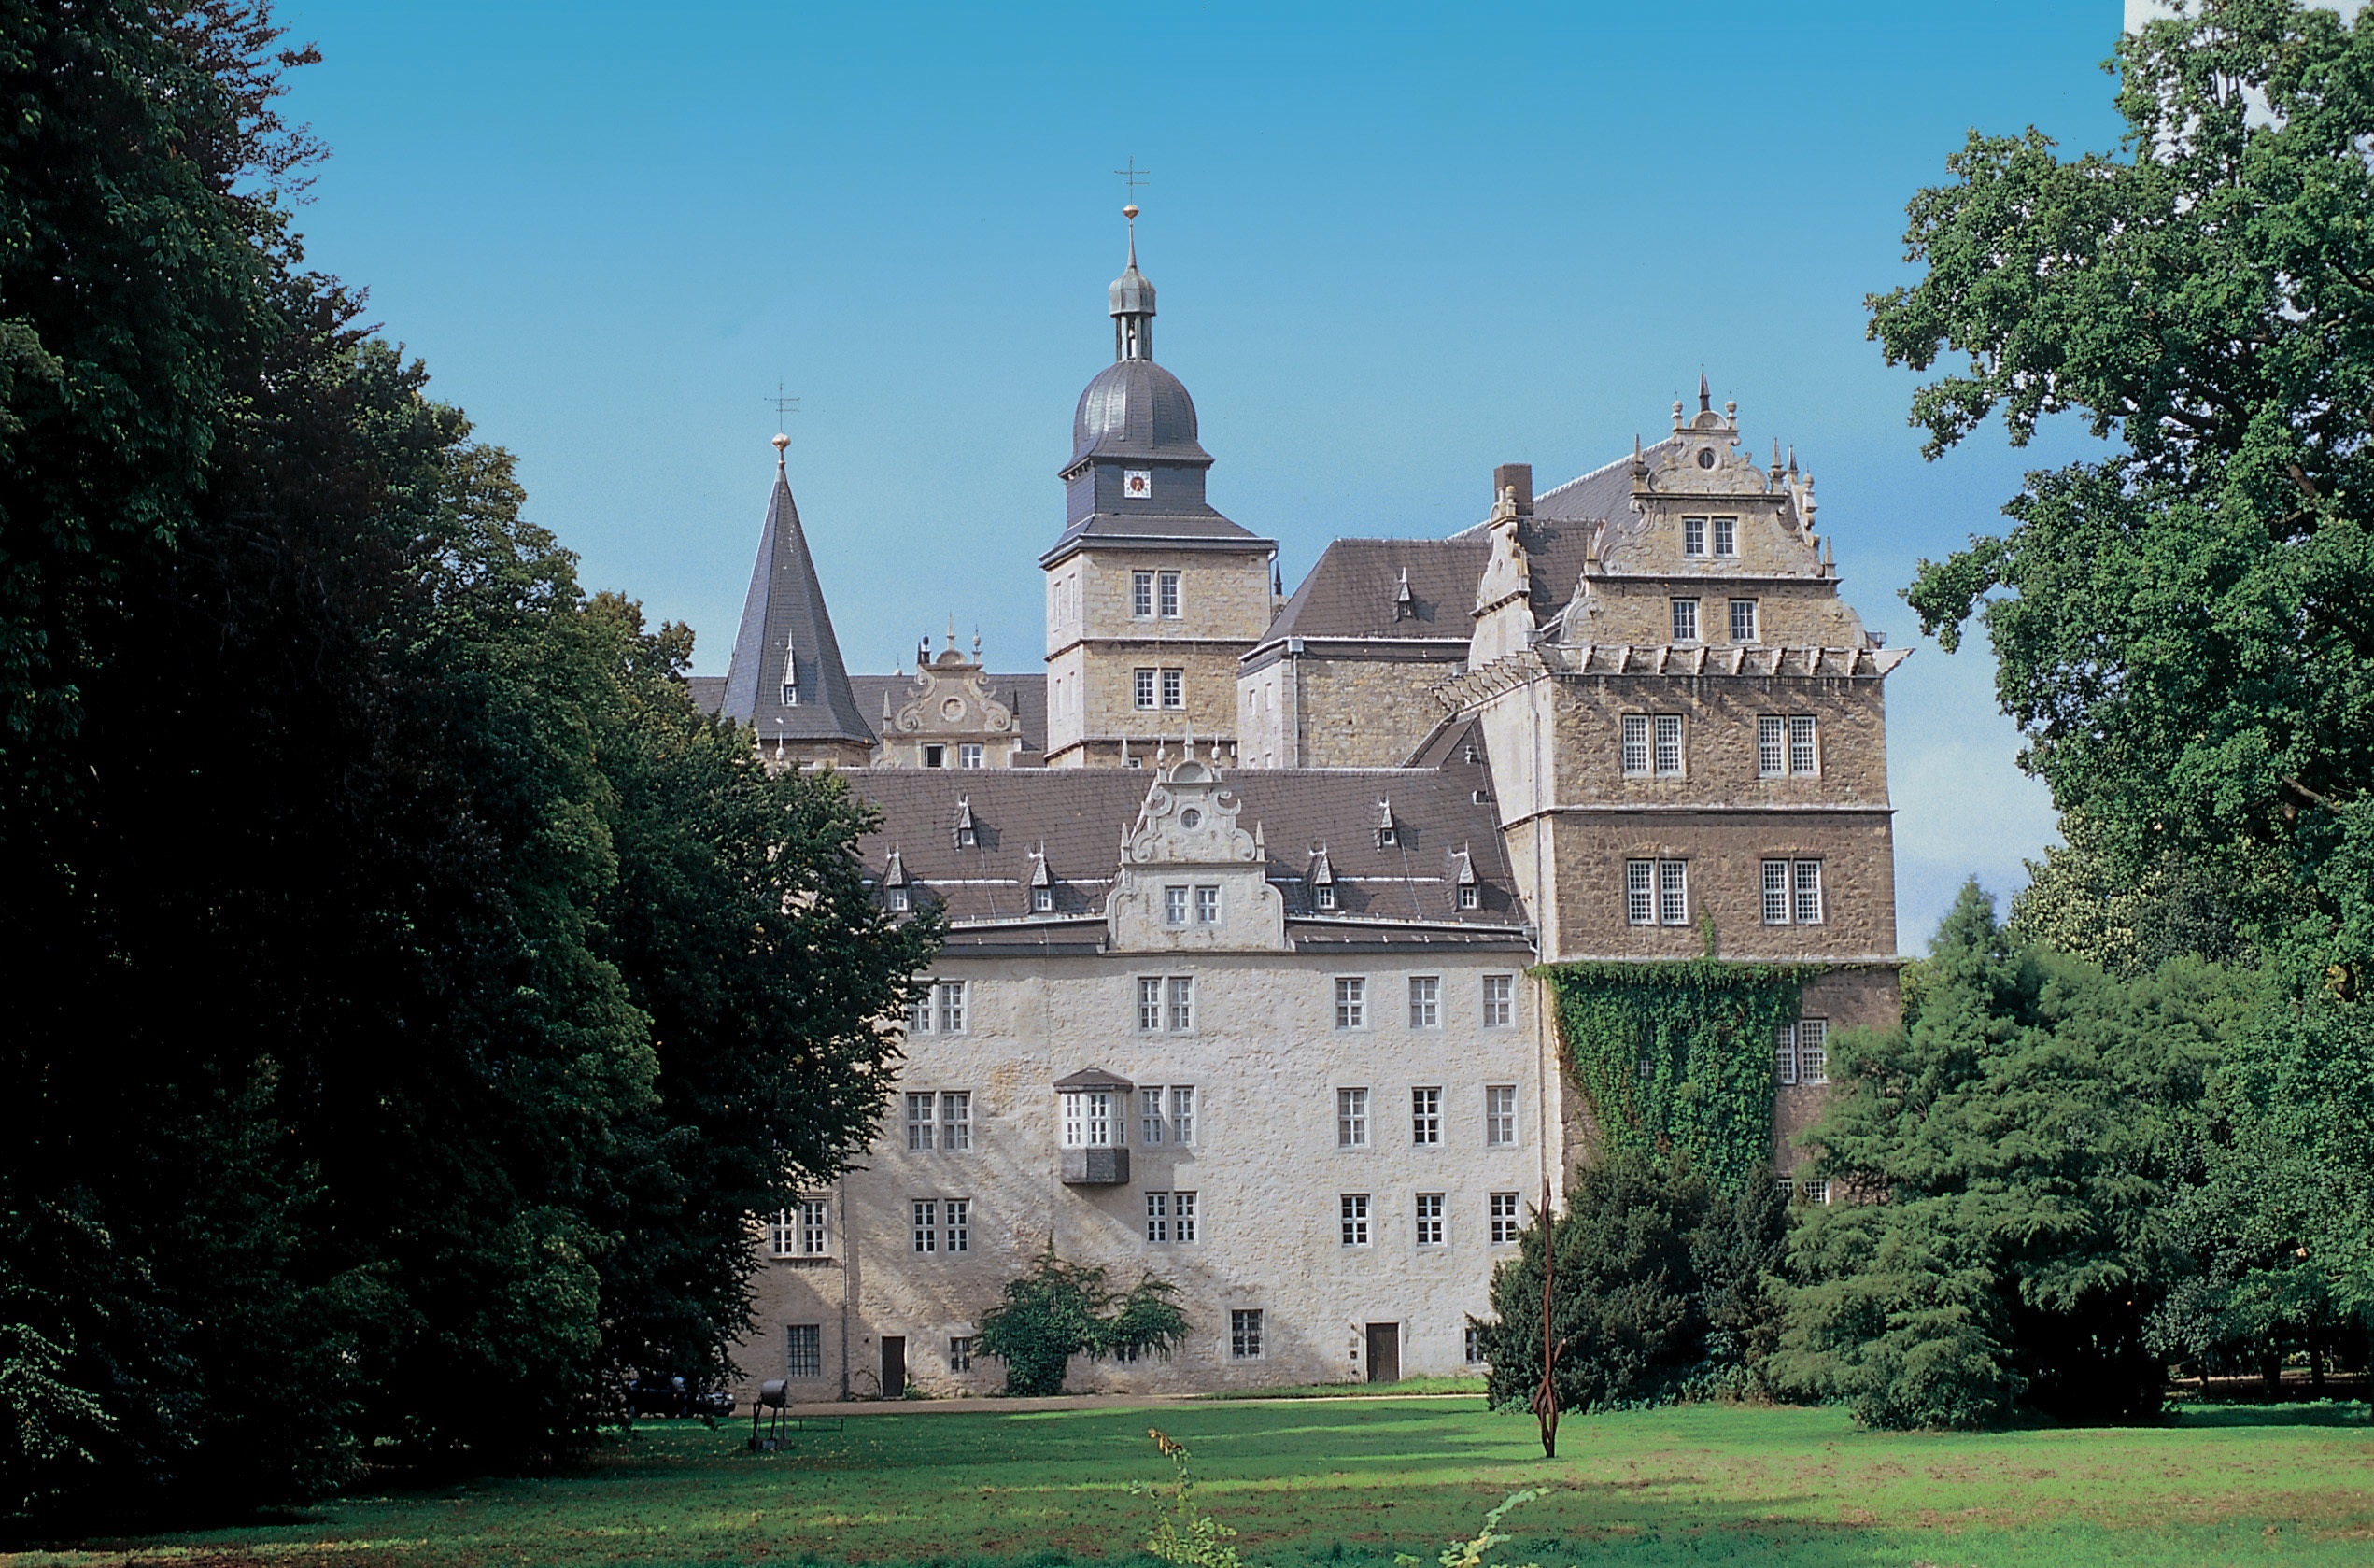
893 1366
1384 1353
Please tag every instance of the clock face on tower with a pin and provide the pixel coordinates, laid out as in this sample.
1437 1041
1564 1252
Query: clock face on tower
1136 484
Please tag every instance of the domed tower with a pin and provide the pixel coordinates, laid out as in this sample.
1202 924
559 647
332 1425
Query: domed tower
1152 595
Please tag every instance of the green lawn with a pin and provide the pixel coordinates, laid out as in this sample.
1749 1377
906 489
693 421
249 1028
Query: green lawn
1358 1480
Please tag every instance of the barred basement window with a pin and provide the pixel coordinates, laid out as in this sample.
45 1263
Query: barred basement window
804 1350
1474 1346
1505 1220
1430 1219
1815 1191
1426 1117
1244 1334
1352 1212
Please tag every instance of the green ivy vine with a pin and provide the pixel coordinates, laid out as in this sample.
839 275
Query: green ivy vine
1679 1057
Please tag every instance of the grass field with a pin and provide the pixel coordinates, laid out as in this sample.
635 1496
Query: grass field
1355 1481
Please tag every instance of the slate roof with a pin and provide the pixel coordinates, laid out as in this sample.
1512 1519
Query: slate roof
785 616
1560 530
1352 593
1401 893
1134 408
1027 695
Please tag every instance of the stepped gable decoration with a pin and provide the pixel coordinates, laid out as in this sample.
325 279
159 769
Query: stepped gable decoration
786 678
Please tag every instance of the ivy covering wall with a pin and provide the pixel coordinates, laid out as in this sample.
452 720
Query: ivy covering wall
1678 1056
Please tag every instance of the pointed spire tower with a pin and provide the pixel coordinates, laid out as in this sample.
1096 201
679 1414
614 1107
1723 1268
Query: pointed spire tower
786 680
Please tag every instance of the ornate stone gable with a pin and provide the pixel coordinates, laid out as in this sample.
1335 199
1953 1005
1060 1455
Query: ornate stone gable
1192 876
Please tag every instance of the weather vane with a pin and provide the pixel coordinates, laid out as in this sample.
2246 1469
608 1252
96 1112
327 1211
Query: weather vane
1133 176
784 405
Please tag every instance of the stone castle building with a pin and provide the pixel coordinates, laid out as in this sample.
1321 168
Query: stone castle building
1243 890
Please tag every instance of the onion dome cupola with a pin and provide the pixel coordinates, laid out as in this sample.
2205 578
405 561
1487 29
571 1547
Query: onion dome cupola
1137 468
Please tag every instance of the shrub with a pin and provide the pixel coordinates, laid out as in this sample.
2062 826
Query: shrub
1059 1310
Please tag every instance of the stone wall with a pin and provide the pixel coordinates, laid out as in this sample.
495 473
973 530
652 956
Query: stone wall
1315 710
1095 643
1719 714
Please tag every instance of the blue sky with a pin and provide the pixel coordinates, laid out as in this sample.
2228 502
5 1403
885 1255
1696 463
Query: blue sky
1395 245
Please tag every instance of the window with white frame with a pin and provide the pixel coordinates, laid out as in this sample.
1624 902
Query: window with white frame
926 1214
1500 1001
897 901
1141 599
1142 686
1685 620
1351 1002
1656 892
1182 1113
1669 745
1470 897
1804 753
919 1012
1507 1220
815 1228
1167 585
1787 1188
1089 1119
969 756
951 996
958 1214
1785 1054
1352 1209
1805 892
1207 904
1425 1002
1175 905
1474 1346
1181 1013
1775 888
1632 754
1352 1118
1743 620
804 1350
1693 536
1042 900
960 1353
920 1120
1430 1219
1500 1116
1426 1117
1158 1218
1244 1334
955 1120
1323 895
1771 747
1174 689
1149 1002
1813 1051
1727 536
1815 1191
1183 1216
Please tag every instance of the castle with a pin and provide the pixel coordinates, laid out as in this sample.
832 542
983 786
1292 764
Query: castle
1243 890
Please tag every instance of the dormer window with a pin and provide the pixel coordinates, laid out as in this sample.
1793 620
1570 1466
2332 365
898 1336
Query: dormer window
898 900
1042 900
1323 896
791 695
791 678
968 837
1388 830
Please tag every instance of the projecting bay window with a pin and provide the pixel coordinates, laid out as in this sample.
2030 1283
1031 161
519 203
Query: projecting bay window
1792 892
1656 892
1094 1108
1088 1119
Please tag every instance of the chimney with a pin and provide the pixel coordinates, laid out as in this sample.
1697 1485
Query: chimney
1521 476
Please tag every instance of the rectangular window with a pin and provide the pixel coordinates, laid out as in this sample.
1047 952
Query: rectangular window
899 901
1685 620
1808 910
1042 900
1323 896
1183 1215
1174 689
956 1120
959 1211
1142 682
1805 757
1175 906
952 1006
1153 1127
1505 1221
1815 1191
1244 1335
968 757
919 1009
1634 754
781 1234
1351 1003
1500 1001
1426 1117
1500 1116
1430 1219
1182 1113
1743 620
1669 745
1784 1055
1207 906
1772 752
1468 897
1813 1051
1727 536
1169 585
1640 892
1149 1002
1474 1346
1088 1119
1787 1188
1693 536
1183 1002
1352 1212
815 1228
1776 891
927 1217
1352 1118
804 1350
1141 597
1425 1002
960 1353
919 1121
1672 893
1158 1218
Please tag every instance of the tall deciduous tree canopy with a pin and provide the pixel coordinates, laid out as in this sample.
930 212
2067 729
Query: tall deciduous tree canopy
412 997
